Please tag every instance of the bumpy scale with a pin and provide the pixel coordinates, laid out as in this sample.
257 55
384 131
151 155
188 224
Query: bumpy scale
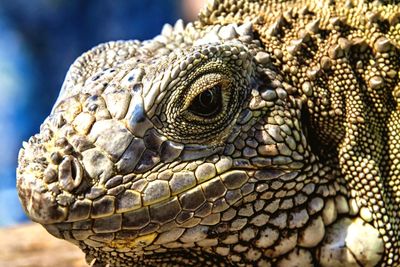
263 134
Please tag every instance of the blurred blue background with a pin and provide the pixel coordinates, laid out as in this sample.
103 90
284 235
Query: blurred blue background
39 39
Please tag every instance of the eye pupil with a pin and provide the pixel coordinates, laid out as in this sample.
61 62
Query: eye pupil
206 98
207 103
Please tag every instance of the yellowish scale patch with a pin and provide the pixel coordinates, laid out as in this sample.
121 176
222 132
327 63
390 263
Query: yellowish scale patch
140 241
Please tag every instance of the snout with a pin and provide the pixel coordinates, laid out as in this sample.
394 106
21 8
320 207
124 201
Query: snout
48 174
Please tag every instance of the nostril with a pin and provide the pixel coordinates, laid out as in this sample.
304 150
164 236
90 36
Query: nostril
70 173
73 171
76 172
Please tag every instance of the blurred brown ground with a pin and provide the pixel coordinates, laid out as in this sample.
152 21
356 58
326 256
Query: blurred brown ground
29 245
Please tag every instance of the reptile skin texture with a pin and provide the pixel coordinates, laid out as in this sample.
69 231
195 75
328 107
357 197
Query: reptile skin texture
266 133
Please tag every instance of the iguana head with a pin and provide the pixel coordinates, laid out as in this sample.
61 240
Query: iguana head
167 145
245 137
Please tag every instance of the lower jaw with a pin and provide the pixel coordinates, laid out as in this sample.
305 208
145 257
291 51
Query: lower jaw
40 204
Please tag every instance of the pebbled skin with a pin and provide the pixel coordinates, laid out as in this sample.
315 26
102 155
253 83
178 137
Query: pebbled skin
263 134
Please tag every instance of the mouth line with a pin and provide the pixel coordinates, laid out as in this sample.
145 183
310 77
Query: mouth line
68 200
66 207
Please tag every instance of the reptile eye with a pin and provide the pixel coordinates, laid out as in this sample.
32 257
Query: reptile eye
207 103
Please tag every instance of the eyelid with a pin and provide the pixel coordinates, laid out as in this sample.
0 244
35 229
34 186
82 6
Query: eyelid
210 83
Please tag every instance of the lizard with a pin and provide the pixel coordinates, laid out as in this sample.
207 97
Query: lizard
263 134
